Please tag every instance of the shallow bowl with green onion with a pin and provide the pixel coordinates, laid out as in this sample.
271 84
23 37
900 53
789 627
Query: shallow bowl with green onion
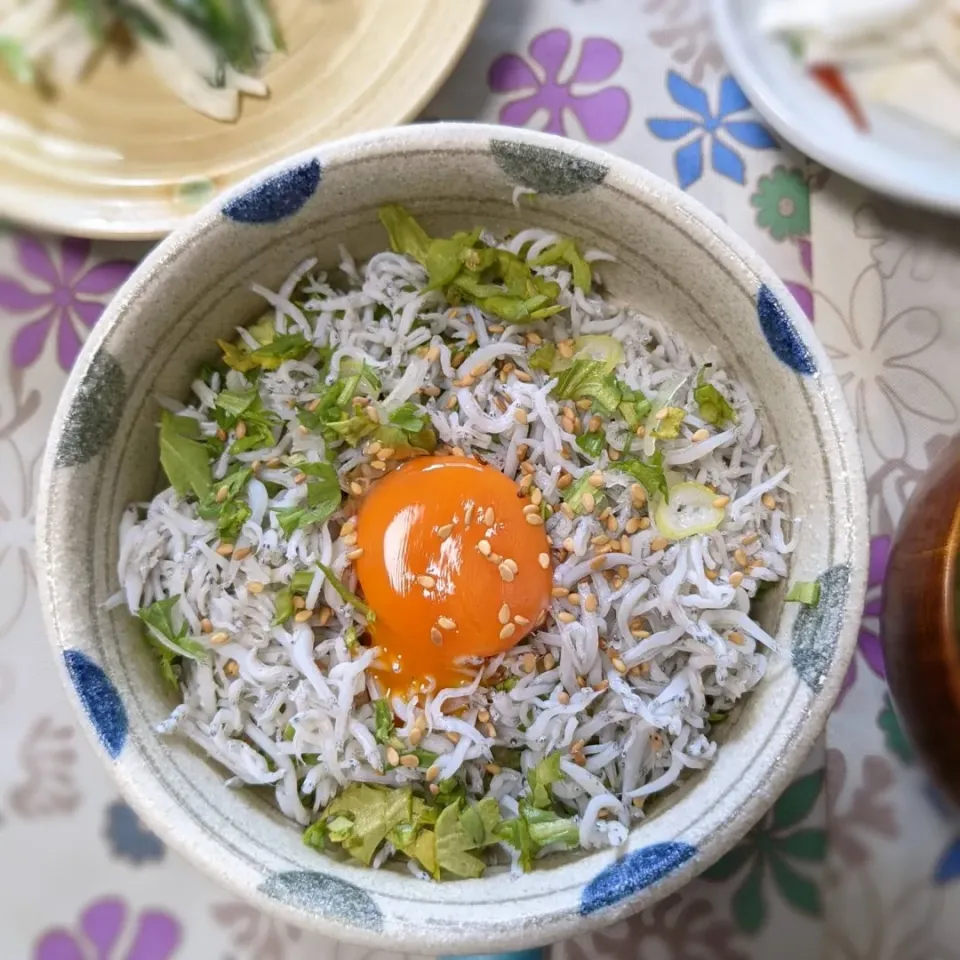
673 261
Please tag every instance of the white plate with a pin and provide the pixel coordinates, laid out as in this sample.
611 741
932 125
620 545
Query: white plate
898 157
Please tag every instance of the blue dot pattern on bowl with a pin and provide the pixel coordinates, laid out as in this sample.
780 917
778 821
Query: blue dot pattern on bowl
546 170
277 197
816 629
633 873
325 896
94 413
781 334
100 699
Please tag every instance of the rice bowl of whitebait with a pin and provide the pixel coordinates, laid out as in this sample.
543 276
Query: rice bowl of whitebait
453 539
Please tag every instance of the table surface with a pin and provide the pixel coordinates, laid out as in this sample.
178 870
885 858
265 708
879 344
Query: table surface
858 859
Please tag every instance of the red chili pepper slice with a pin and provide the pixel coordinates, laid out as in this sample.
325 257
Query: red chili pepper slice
833 81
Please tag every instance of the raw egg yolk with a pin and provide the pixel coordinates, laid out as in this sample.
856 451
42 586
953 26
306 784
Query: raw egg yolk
452 567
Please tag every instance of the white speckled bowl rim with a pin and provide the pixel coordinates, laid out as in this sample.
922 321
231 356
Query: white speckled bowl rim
241 841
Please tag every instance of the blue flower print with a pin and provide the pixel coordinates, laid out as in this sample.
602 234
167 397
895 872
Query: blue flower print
706 129
129 839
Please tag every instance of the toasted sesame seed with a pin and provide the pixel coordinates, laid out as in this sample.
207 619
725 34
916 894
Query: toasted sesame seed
378 465
434 790
720 502
588 501
221 636
242 553
425 581
579 759
750 538
451 401
564 617
221 434
303 616
489 517
445 531
350 540
598 563
445 623
240 430
436 637
529 662
710 574
415 737
530 508
612 524
619 665
495 558
225 549
644 523
508 631
512 564
769 501
324 616
506 573
536 496
484 547
421 722
601 687
468 514
740 556
206 625
373 414
520 415
563 697
577 746
573 599
565 349
492 768
549 661
453 737
231 668
736 578
734 637
355 488
658 543
504 614
355 554
483 716
638 494
700 435
433 354
565 480
299 603
393 758
544 560
409 760
490 730
534 519
590 603
222 494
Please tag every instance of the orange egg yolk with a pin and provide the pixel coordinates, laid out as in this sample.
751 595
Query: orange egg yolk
451 567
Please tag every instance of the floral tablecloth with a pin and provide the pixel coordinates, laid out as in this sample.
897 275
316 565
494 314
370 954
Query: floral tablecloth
858 860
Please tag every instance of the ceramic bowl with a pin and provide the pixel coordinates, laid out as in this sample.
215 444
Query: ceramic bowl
675 261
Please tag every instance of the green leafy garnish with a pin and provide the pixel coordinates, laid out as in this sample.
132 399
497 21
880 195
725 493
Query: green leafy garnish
712 404
634 406
323 490
588 379
565 252
546 772
409 417
459 832
406 235
650 474
347 595
668 426
316 835
235 403
269 356
592 443
184 458
384 716
806 592
163 630
13 56
282 606
574 494
362 816
535 828
542 358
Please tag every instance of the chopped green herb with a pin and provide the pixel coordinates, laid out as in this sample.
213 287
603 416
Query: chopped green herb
588 379
634 406
269 356
542 358
185 460
668 426
592 443
806 592
282 606
235 403
363 815
574 494
384 717
712 404
649 474
409 417
565 252
545 773
406 235
347 595
162 628
316 835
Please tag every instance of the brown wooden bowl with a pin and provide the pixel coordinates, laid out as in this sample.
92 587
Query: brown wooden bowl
920 622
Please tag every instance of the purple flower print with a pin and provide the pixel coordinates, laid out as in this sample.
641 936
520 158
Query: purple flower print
62 290
868 643
103 926
602 113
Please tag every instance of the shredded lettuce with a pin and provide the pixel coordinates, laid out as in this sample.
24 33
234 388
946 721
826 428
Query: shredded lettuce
588 379
384 716
269 356
574 494
184 458
712 404
592 443
545 773
806 592
162 628
649 474
668 426
565 252
543 357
